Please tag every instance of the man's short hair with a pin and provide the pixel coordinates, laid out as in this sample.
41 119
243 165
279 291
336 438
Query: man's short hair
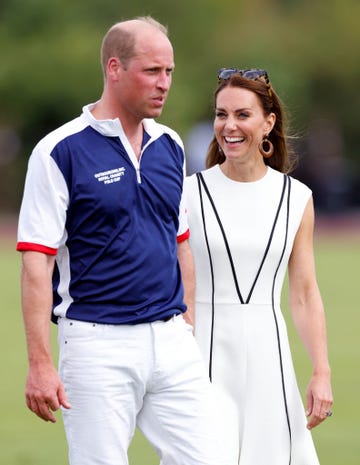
120 42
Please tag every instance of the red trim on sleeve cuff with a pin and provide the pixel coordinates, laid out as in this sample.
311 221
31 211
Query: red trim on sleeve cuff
29 246
183 236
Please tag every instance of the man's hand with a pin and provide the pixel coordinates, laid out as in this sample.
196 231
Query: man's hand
45 392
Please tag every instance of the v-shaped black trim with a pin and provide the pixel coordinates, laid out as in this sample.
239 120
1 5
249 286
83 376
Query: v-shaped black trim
242 300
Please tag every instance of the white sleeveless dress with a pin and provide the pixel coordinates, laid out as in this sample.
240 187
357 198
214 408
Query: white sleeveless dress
239 325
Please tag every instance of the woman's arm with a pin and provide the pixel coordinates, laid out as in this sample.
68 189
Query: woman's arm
309 318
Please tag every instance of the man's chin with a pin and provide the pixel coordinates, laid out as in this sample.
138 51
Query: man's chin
155 112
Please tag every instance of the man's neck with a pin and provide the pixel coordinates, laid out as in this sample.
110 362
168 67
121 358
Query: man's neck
132 128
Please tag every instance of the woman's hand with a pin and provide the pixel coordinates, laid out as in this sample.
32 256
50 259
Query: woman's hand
319 399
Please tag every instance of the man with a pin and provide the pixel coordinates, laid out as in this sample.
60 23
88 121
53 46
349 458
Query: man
99 222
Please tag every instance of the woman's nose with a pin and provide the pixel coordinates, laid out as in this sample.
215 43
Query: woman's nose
230 123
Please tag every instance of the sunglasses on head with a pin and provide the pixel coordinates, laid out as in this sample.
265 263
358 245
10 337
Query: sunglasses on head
254 74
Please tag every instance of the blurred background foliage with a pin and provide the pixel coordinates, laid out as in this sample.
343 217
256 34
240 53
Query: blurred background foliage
50 68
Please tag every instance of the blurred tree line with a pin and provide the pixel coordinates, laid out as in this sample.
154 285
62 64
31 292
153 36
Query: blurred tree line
50 68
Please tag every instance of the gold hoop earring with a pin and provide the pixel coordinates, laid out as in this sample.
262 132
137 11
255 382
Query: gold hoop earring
266 148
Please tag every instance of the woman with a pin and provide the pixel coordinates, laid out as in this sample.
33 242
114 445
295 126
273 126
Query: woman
250 223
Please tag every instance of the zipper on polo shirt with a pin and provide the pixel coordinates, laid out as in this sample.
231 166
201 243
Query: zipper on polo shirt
138 175
137 165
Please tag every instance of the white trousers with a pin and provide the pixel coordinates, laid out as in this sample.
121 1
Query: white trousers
149 375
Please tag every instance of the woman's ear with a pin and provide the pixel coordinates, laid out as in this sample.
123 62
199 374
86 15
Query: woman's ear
270 123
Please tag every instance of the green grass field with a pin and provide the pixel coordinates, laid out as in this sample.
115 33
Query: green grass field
26 440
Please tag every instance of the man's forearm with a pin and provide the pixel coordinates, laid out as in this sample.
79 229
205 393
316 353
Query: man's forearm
36 293
186 263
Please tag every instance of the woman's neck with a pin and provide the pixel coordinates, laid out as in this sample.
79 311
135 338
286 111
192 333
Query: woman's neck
243 172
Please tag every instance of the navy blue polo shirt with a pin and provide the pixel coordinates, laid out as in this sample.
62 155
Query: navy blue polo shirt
112 221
